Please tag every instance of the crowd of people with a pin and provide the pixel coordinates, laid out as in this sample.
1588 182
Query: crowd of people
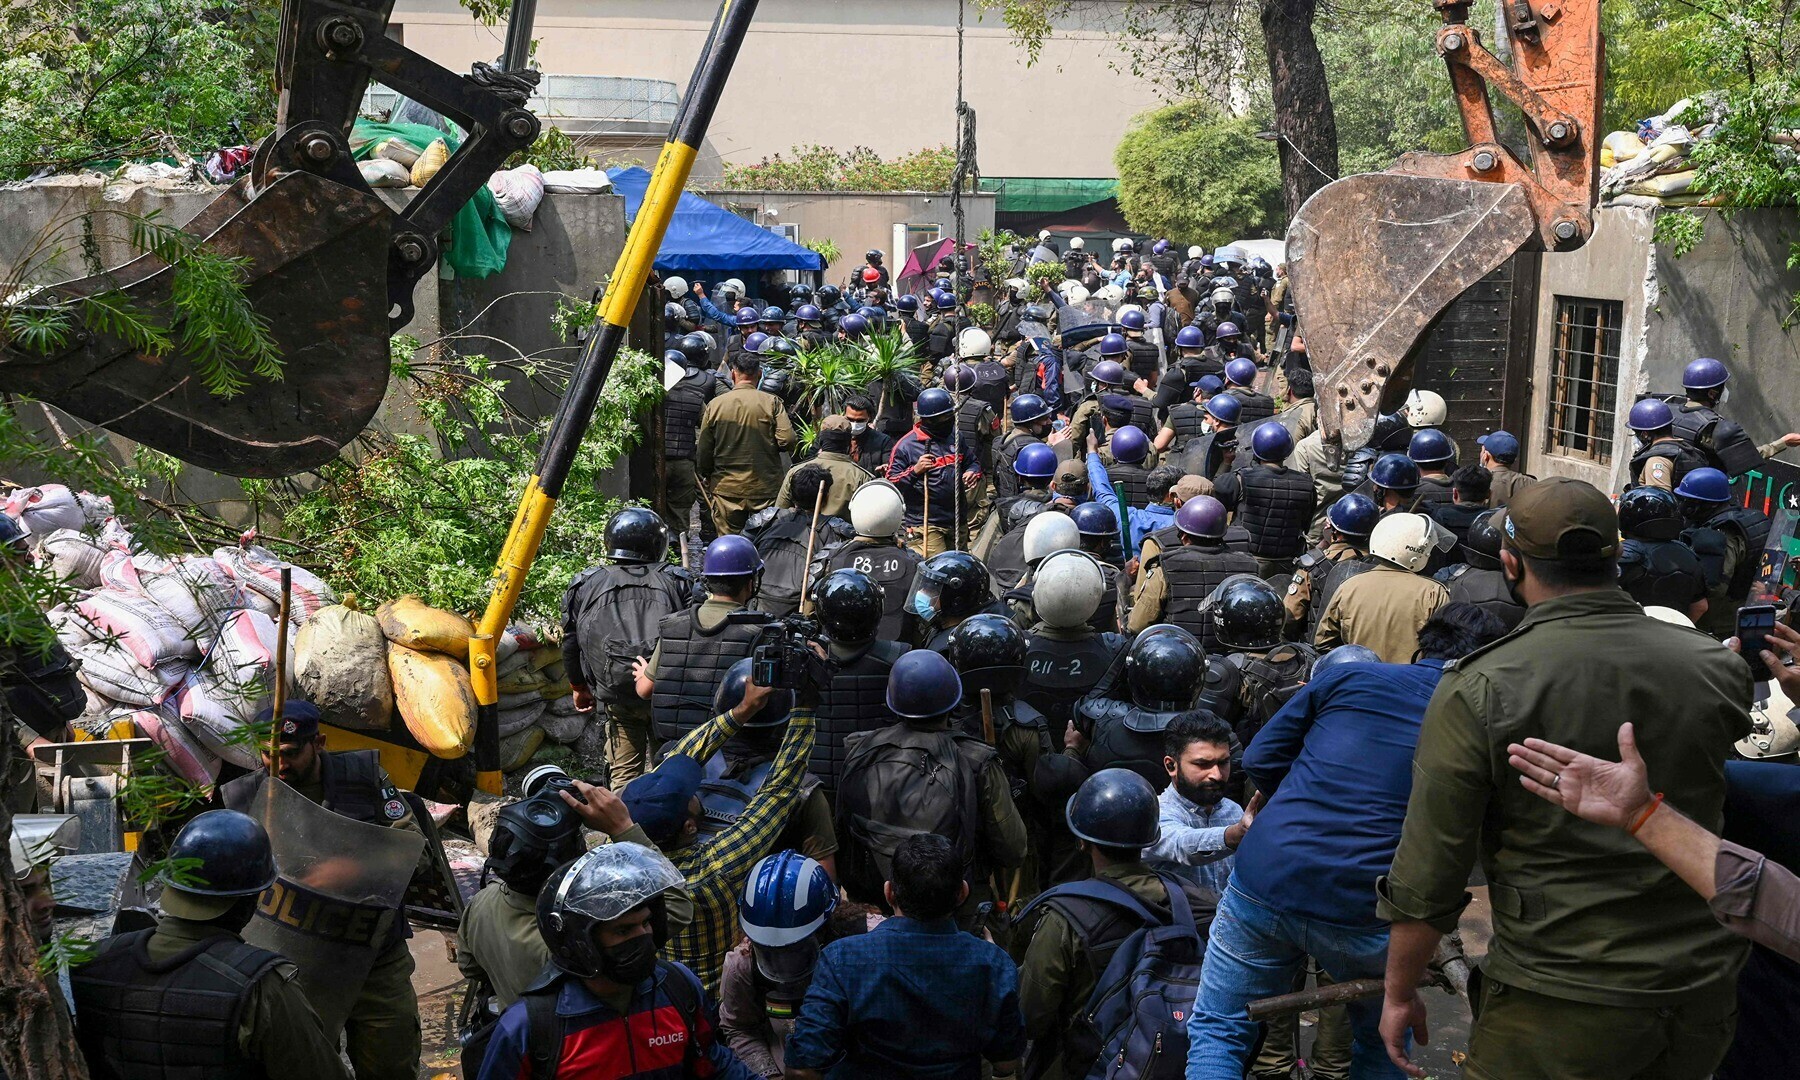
1062 700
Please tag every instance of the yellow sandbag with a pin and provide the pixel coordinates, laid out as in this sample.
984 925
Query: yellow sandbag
415 624
1664 185
396 150
516 749
430 161
1620 146
435 700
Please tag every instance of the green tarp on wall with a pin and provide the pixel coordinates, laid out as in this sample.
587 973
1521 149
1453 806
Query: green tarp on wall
1045 195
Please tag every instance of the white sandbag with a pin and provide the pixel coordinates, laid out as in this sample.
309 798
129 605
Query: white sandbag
242 657
383 173
588 181
144 630
74 557
521 717
98 509
517 192
114 534
340 665
185 754
215 714
111 672
563 729
258 570
255 601
72 628
44 509
1664 184
196 591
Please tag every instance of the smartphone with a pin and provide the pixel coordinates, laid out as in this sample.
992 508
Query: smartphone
1754 621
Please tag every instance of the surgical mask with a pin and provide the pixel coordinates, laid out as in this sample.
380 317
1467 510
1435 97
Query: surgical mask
1207 426
857 427
924 606
630 963
1724 395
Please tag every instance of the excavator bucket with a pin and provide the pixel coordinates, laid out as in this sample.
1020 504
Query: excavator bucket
1375 258
318 273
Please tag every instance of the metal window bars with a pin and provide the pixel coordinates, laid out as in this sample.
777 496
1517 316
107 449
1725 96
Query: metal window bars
1584 378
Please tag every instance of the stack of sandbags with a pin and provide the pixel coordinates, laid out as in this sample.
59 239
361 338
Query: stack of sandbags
44 509
427 658
340 665
1650 167
258 571
233 683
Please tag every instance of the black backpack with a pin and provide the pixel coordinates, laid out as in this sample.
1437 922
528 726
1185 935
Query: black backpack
900 782
1271 681
543 1033
616 614
782 542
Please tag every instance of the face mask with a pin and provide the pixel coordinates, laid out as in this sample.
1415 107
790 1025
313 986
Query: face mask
938 428
1512 587
857 427
1205 793
630 963
1725 395
924 607
1207 426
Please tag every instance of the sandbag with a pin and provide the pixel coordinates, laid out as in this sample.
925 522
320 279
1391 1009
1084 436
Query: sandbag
72 628
588 181
563 729
382 173
565 706
74 557
340 665
185 754
524 697
1665 184
111 673
98 509
144 630
415 624
258 570
397 150
517 192
516 749
215 712
434 698
523 681
44 509
543 656
519 716
1620 146
195 591
431 159
243 656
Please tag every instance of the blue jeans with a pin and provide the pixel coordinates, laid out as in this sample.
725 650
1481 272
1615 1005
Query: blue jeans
1254 952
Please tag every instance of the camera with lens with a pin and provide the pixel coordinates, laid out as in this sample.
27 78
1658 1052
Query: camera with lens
543 804
784 652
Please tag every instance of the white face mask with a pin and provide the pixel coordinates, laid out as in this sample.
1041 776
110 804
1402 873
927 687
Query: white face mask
1725 395
1207 426
857 427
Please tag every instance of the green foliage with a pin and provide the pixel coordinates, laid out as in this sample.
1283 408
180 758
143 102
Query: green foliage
990 251
552 150
1646 64
822 168
1195 174
106 79
1679 231
982 315
825 248
488 12
1389 90
426 515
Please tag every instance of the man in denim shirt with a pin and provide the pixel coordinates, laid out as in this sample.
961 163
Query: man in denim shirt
1201 828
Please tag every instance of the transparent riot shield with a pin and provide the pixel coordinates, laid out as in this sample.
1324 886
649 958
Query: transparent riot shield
334 904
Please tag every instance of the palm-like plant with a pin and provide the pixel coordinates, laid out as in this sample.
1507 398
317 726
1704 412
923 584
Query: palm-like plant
895 362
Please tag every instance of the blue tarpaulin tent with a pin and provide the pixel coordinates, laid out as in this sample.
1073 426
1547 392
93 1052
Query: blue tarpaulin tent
705 237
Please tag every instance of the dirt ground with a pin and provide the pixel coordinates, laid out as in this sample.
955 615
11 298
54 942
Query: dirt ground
440 988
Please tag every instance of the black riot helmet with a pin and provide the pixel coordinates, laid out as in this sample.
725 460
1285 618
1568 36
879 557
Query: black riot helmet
988 651
1482 549
227 854
730 694
1115 808
531 838
953 585
1650 513
1165 673
1246 613
696 348
850 606
636 534
828 296
600 886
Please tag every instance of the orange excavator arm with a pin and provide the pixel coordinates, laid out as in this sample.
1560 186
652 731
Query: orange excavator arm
1375 258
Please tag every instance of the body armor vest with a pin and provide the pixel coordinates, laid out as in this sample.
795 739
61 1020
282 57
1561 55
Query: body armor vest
683 406
1135 479
1433 491
1256 407
974 419
1006 482
1188 421
1341 571
1144 359
1753 526
693 664
1192 573
176 1019
1276 506
888 565
1694 424
1486 589
855 700
352 781
1059 672
1666 573
1679 452
1125 736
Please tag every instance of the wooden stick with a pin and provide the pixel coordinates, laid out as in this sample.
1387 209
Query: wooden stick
925 521
811 538
281 635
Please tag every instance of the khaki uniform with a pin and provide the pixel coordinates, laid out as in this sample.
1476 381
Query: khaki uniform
1149 598
1507 483
278 1029
846 477
1297 600
738 453
1382 609
627 740
1603 963
1324 463
499 938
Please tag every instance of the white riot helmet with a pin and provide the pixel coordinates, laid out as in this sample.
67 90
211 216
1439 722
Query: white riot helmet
1424 409
974 344
1223 295
1043 234
1066 589
1196 252
1407 540
1109 294
1073 291
876 509
732 286
1047 532
1120 244
1119 315
1772 733
1077 244
676 287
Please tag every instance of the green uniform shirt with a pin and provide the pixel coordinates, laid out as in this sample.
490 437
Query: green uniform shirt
1581 911
738 453
278 1029
499 938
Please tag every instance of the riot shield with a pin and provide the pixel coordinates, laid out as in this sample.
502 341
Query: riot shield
334 904
1776 573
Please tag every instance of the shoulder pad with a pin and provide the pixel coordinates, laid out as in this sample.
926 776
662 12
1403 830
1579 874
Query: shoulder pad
760 519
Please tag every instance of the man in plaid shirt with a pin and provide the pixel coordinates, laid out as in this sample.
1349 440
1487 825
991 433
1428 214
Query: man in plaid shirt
666 803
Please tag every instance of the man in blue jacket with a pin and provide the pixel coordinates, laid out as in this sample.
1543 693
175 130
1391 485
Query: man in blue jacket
1336 764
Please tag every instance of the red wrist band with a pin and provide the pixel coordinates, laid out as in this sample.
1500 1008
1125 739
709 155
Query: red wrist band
1645 816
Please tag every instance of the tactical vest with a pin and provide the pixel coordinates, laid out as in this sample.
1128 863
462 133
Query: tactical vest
1105 619
1192 573
1486 589
1433 491
693 664
782 545
1276 506
1341 571
1679 452
855 700
1144 359
1006 482
1131 739
1007 561
1143 415
1664 573
974 419
352 781
683 405
1268 680
1188 421
616 611
176 1019
1753 526
1058 672
1694 424
1135 479
1167 538
1255 408
888 565
992 381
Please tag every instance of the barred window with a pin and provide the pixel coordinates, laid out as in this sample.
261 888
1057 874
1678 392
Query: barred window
1584 378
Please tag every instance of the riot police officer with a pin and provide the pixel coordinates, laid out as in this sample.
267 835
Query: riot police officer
1065 656
1393 483
497 942
1143 359
1240 383
1662 457
1012 478
1320 571
1728 538
1185 419
743 764
976 419
1110 378
1697 422
1478 579
611 615
683 405
850 608
1130 464
1037 532
697 646
1435 455
1173 586
1164 673
1273 501
1098 528
949 588
1217 451
1655 567
190 998
876 513
1260 672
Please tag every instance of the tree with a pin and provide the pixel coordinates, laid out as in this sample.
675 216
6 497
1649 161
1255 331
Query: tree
1194 173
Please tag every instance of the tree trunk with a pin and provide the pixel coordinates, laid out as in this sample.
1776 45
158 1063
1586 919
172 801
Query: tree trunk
37 1040
1303 116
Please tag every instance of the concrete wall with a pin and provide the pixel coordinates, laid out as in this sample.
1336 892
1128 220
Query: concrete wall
858 220
1727 298
575 241
844 73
